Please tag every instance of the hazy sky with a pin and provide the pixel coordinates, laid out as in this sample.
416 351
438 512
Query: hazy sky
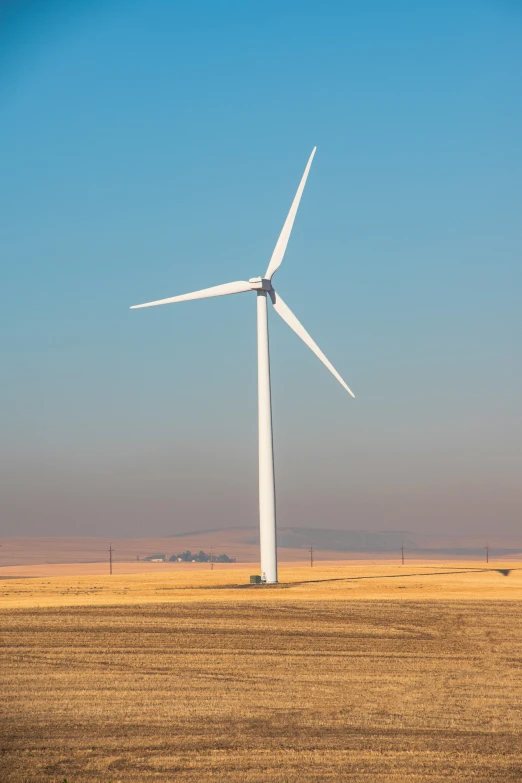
151 147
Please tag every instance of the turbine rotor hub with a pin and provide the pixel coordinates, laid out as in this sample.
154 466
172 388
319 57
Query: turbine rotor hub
260 284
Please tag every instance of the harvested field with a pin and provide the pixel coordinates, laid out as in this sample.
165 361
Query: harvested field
216 682
334 581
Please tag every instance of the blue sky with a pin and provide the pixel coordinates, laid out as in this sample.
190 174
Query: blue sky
153 148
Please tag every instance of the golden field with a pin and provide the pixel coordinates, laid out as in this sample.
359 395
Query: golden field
183 582
344 672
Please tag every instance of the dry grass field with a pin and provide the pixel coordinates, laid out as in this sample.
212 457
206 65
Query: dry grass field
165 582
369 673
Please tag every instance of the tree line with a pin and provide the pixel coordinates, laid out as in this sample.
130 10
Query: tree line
192 557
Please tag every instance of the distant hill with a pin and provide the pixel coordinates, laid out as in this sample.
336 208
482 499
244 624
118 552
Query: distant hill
363 541
243 545
389 541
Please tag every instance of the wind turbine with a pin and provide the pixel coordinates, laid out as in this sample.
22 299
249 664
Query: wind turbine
263 287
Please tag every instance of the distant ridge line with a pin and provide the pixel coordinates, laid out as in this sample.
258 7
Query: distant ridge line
362 541
207 531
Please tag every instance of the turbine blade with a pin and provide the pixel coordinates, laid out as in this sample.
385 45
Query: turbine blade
282 242
218 290
287 315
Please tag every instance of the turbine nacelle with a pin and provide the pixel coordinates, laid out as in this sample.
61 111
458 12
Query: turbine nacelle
260 284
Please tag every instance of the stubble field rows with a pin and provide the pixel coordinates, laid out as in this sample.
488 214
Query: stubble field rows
279 684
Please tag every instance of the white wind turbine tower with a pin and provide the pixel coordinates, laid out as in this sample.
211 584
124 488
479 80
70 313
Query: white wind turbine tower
263 287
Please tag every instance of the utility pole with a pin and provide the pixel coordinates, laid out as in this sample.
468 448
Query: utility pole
110 557
211 559
311 557
402 552
487 552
